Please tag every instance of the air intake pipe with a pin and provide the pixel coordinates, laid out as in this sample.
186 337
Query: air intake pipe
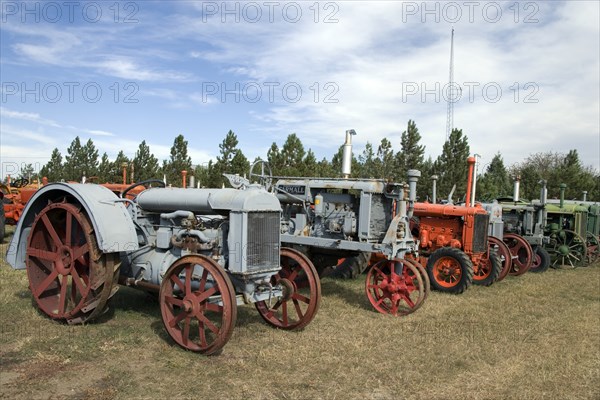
585 195
434 179
471 162
516 188
413 178
562 194
347 154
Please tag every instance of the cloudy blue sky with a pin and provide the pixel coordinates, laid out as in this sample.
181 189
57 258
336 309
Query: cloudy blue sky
122 72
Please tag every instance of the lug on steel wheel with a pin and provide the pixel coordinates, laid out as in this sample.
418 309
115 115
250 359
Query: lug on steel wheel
198 304
569 250
593 248
395 287
521 251
69 278
503 252
301 288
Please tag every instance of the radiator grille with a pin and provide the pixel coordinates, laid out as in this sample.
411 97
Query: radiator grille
262 251
480 233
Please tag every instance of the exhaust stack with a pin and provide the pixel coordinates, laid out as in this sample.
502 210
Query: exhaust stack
471 162
585 195
474 178
192 181
347 154
434 179
544 193
516 188
562 194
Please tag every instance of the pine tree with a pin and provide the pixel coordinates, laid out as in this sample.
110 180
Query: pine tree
368 162
178 161
53 170
495 182
231 160
385 165
309 164
292 154
145 165
116 169
275 159
104 169
90 154
411 153
451 166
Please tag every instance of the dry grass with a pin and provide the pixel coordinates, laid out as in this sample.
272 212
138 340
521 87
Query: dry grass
537 336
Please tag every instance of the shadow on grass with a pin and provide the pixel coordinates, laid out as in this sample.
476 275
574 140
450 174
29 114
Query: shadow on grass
335 288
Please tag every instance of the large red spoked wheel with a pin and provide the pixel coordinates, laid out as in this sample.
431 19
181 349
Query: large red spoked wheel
503 252
301 297
395 287
198 304
422 271
69 279
450 270
521 251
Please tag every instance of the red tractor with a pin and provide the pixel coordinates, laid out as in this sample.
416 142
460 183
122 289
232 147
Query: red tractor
454 243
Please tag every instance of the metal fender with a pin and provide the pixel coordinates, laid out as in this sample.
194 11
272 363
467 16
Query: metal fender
112 223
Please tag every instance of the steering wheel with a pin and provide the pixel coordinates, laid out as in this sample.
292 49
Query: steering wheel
19 183
265 180
146 182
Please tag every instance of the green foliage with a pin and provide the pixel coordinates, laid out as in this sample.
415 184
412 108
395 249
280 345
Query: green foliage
368 162
495 182
412 154
292 155
231 160
53 170
145 165
385 163
104 169
115 174
451 165
179 161
80 160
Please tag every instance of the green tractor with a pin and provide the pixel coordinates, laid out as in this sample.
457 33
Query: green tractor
581 217
567 231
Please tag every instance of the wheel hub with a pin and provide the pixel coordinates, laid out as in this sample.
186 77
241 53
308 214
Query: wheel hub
563 249
287 288
65 261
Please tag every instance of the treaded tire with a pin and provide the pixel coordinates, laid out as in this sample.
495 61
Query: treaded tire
541 260
494 263
352 266
454 258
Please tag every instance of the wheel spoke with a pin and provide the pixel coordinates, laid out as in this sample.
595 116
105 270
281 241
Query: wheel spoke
174 301
214 307
188 280
50 229
208 322
81 251
284 313
202 334
45 283
42 254
186 330
68 230
294 274
203 280
298 296
175 279
177 319
200 297
298 309
77 280
63 294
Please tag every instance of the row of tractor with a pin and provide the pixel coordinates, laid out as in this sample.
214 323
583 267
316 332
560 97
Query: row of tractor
268 240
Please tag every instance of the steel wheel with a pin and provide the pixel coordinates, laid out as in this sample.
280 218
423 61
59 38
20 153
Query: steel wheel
593 248
395 287
569 250
521 251
301 293
422 272
70 281
198 304
503 252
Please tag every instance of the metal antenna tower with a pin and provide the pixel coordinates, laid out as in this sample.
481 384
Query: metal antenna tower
450 93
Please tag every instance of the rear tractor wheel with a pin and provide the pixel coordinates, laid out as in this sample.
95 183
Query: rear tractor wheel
503 253
569 250
593 248
352 266
489 268
71 281
521 251
450 270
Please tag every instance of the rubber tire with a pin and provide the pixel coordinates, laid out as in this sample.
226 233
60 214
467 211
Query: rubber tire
352 266
2 223
465 264
496 269
544 256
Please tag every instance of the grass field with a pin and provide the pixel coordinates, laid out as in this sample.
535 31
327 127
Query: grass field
536 336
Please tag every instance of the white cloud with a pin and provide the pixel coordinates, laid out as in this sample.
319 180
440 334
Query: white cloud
26 116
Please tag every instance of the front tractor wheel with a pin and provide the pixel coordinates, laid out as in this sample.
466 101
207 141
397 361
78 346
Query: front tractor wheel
450 270
69 279
541 260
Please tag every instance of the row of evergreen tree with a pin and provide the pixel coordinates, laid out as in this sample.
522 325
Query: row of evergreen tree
292 159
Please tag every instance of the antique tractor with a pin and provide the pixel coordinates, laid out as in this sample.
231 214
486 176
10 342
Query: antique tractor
15 195
328 219
567 232
453 243
203 250
524 227
2 219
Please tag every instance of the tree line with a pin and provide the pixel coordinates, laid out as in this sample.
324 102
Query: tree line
293 159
